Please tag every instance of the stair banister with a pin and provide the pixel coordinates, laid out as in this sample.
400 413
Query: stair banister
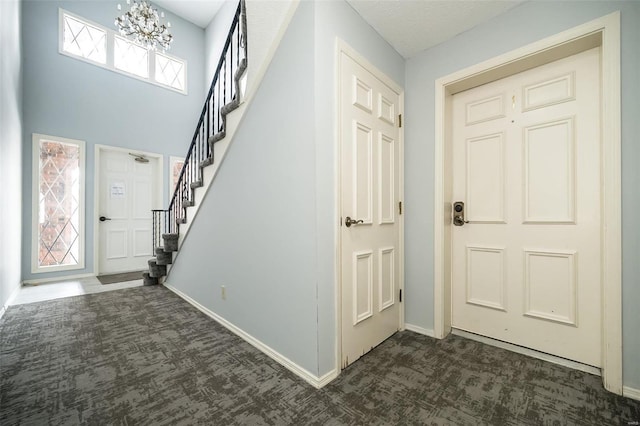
222 98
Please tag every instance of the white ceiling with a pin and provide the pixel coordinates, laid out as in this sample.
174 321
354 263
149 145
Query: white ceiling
199 12
410 26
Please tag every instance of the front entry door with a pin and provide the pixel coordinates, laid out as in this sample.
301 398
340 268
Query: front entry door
128 190
370 159
526 267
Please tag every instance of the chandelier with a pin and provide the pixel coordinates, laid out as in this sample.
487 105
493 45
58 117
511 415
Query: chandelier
143 24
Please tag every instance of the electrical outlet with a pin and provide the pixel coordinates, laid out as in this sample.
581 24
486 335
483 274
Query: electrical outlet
223 292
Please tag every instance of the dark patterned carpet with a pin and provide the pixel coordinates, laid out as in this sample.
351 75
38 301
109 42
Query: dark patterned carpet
143 356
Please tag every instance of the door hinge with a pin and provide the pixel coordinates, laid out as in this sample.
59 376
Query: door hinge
399 207
400 295
399 120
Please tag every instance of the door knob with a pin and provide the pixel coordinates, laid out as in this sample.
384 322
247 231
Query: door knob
102 218
348 221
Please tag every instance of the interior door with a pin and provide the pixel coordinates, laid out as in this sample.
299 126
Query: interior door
526 264
128 191
370 259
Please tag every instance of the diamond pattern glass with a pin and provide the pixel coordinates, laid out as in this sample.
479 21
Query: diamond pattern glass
59 214
169 71
130 57
84 40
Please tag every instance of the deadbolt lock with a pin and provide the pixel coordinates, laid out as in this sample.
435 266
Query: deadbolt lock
458 214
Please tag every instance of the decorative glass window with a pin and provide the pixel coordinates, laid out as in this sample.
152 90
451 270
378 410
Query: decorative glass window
85 40
175 167
58 240
130 57
170 71
104 47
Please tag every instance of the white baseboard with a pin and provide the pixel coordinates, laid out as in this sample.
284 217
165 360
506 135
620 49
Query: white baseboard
36 281
10 300
301 372
419 330
529 352
630 392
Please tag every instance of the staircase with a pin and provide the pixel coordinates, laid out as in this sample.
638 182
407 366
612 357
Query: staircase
223 97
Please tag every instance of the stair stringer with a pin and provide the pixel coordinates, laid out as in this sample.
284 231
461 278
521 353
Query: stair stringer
254 72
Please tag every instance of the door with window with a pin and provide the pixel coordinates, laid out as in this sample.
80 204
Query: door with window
128 191
370 195
526 262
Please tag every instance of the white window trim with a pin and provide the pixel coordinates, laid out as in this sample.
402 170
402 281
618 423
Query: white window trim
35 203
109 65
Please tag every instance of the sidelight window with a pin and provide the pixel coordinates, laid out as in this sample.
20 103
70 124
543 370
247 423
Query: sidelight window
58 216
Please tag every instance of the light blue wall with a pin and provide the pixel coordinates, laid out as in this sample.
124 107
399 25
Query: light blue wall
266 229
336 19
215 37
10 149
255 232
524 24
70 98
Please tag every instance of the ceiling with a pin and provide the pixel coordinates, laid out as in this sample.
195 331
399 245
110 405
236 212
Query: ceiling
199 12
410 26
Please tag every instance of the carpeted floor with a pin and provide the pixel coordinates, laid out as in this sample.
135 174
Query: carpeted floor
143 356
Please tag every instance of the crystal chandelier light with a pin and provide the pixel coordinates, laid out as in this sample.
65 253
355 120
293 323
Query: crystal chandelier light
143 24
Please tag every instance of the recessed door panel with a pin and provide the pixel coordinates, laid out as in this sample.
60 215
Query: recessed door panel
486 277
485 179
549 170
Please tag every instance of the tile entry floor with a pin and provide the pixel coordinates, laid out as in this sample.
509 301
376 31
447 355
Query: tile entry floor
30 293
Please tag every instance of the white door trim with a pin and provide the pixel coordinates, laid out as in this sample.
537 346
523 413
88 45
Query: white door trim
603 32
343 47
96 191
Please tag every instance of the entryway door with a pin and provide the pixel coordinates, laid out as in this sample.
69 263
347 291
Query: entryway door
526 266
128 190
370 191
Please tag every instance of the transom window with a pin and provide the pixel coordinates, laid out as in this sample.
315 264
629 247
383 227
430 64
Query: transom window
169 71
84 40
130 57
58 188
93 43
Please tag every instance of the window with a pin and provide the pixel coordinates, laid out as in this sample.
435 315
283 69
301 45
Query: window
93 43
58 204
170 71
175 167
130 57
84 40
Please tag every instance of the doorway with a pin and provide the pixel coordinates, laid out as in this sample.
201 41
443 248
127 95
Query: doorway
128 187
370 188
603 33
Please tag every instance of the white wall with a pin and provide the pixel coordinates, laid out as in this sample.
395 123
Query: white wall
10 149
524 24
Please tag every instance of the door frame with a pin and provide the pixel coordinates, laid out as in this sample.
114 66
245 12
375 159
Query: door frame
96 191
603 32
343 47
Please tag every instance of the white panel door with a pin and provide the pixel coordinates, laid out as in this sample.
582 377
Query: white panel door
526 159
370 195
128 191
